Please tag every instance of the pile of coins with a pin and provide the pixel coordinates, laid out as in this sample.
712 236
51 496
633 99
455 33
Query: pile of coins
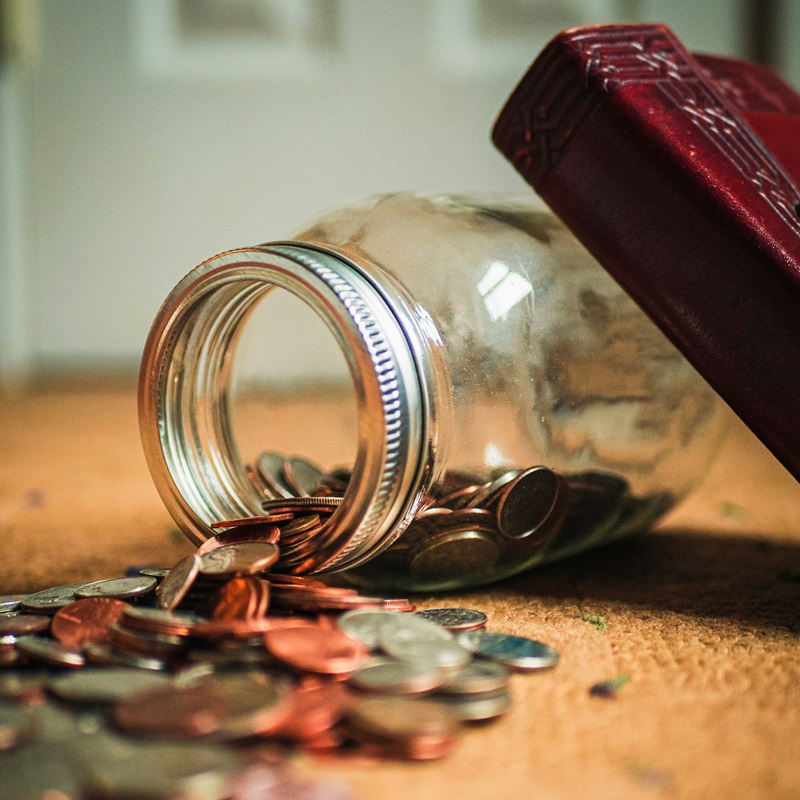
199 681
467 530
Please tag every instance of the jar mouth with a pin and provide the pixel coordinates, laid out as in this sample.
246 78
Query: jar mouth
185 395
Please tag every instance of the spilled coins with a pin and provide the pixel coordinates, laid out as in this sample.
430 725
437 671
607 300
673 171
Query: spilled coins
202 680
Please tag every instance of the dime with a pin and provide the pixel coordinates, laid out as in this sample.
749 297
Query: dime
516 652
119 588
477 677
479 706
50 600
455 619
172 590
88 620
10 602
154 572
392 676
301 476
104 685
400 718
50 652
363 625
21 624
245 558
304 504
412 638
527 502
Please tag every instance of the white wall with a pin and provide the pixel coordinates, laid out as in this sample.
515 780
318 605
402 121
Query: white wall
135 171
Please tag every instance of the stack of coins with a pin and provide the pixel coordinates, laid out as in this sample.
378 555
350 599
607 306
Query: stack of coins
230 667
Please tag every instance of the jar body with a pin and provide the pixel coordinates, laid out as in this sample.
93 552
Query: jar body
546 412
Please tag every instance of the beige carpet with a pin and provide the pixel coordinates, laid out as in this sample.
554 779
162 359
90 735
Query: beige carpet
703 617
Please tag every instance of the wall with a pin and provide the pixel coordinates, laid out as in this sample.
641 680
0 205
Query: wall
135 168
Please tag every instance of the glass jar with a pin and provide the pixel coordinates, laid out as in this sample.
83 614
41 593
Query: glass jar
512 405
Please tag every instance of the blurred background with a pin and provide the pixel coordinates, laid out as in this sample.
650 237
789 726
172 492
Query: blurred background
139 137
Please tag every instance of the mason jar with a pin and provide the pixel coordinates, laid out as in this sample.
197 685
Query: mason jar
502 401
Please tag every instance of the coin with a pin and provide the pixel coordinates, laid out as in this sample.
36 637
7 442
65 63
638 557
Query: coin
400 718
364 625
106 685
50 652
526 502
269 467
120 588
454 554
50 600
87 620
516 652
412 638
301 476
21 624
160 621
245 558
10 602
479 706
177 582
392 676
455 619
313 648
477 677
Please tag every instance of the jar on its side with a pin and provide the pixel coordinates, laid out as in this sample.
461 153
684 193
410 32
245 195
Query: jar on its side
513 404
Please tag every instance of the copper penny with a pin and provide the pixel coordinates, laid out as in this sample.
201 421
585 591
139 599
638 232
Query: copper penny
171 711
156 620
312 648
246 522
87 621
315 710
241 598
245 533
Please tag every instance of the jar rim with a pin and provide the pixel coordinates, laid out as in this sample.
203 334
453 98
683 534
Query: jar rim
185 381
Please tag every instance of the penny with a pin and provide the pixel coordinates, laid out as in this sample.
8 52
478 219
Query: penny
50 600
516 652
245 558
88 620
177 582
314 711
259 532
246 522
119 588
455 619
391 676
146 643
454 553
312 648
241 598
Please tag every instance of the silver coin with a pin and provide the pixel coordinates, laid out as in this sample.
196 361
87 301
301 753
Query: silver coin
301 476
155 572
110 656
488 494
477 677
10 602
516 652
269 469
401 718
411 638
103 685
17 725
119 588
364 625
527 502
161 619
473 708
50 651
454 554
40 771
243 558
163 770
392 676
50 600
455 619
177 582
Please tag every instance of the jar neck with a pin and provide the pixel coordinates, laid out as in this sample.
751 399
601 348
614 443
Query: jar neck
185 390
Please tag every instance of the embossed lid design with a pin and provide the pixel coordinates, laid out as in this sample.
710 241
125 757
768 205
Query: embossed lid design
680 174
